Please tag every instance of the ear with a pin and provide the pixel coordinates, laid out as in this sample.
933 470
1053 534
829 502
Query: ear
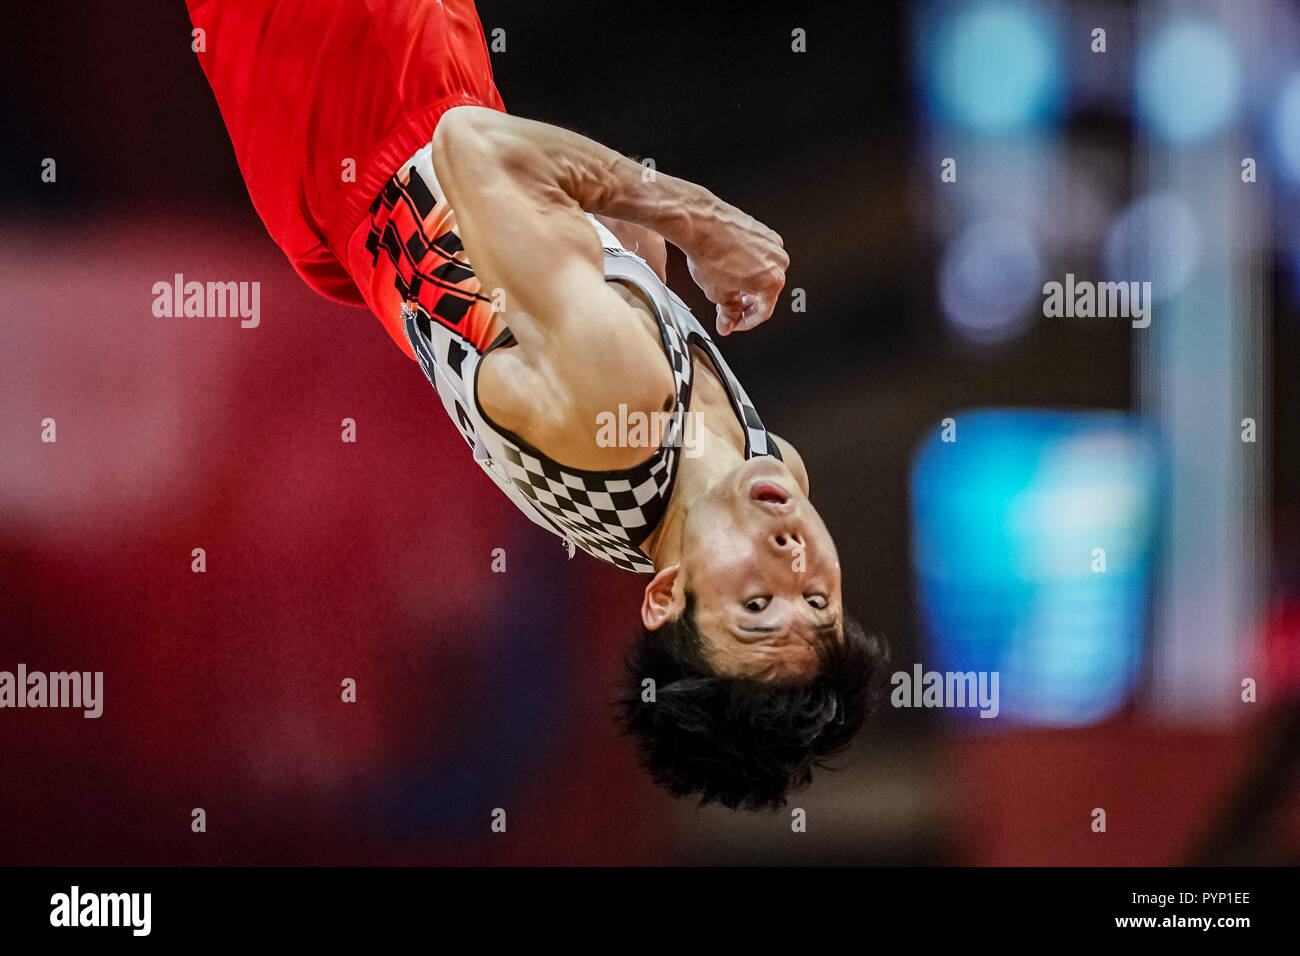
662 602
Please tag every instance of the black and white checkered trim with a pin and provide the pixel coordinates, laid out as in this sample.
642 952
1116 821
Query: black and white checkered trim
604 515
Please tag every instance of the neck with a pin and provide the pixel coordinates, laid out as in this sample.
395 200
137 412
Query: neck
695 475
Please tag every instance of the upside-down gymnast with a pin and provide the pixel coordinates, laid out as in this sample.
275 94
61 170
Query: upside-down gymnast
521 265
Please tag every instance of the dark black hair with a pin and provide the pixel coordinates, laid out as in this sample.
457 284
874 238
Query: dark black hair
740 741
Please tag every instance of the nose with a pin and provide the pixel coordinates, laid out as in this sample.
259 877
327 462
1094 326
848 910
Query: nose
788 541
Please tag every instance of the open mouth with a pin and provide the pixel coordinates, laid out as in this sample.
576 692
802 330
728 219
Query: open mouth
770 492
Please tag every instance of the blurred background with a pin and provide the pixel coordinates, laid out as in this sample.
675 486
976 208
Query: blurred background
1118 156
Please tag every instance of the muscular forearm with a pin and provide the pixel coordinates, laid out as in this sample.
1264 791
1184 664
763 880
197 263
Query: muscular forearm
599 179
676 209
551 175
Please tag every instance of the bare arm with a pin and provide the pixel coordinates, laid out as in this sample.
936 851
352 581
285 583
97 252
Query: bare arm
519 188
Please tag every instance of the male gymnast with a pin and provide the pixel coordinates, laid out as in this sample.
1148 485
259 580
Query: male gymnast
522 266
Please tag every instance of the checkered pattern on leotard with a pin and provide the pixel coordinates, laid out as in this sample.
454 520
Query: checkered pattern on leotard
604 513
607 514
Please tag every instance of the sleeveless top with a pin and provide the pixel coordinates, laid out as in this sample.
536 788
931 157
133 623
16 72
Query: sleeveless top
416 261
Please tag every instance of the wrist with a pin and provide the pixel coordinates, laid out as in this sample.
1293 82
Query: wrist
704 212
689 212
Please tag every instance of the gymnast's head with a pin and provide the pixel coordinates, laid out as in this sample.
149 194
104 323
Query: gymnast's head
748 673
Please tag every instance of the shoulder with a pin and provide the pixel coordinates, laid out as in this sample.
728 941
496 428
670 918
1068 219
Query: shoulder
793 460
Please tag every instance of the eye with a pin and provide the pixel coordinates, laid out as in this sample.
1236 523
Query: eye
816 600
756 604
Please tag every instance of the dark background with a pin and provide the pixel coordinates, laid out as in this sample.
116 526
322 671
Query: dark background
328 560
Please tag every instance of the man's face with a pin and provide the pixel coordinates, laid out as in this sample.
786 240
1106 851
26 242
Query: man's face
764 571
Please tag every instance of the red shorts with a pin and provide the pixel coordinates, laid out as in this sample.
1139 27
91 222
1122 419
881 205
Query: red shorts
325 99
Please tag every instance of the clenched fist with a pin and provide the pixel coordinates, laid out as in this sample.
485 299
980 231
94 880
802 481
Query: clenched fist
740 264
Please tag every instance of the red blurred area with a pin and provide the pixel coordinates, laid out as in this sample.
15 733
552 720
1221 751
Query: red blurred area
1028 798
325 560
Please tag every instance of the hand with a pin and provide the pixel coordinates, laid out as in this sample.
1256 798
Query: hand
740 264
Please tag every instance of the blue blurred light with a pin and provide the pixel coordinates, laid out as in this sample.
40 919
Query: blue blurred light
1005 520
1188 81
1156 239
1286 127
993 67
988 280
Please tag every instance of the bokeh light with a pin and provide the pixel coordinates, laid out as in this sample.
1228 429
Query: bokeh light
1008 517
994 68
1188 81
1286 127
989 279
1157 239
